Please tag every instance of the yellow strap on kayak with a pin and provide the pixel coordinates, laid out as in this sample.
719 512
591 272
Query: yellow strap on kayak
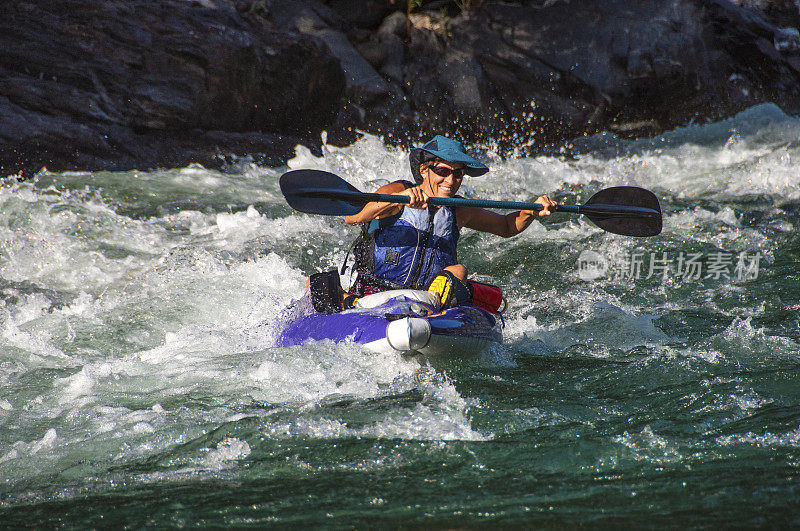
441 287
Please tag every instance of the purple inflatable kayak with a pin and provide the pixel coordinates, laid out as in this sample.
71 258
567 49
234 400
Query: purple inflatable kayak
397 321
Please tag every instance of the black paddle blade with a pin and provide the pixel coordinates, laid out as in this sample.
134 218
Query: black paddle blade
625 210
315 192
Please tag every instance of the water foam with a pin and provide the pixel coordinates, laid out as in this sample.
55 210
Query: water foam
140 309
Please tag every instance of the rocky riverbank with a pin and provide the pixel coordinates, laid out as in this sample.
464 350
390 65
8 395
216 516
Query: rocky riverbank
121 84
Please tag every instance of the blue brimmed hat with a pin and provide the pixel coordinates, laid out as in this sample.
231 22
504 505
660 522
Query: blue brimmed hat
441 147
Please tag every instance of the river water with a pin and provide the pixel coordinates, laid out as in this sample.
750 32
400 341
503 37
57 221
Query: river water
657 385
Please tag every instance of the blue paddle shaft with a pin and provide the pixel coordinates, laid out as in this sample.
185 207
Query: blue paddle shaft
461 202
623 210
608 210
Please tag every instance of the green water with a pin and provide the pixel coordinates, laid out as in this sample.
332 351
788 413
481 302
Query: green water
141 386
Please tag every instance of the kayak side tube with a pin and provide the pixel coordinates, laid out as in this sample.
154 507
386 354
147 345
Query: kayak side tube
400 322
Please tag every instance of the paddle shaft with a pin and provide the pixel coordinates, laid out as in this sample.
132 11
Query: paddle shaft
361 197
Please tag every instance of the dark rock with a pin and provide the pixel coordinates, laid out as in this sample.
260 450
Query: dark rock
385 50
366 89
116 84
364 85
366 14
119 84
395 24
531 77
781 13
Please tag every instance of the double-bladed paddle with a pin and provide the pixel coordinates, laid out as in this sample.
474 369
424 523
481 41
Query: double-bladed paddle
625 210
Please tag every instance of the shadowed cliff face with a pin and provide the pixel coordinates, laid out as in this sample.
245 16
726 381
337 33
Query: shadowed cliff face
122 84
535 77
118 84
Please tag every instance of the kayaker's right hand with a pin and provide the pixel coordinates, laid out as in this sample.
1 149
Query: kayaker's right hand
418 198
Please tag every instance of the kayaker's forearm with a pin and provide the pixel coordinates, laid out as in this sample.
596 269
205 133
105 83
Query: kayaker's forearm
370 212
517 222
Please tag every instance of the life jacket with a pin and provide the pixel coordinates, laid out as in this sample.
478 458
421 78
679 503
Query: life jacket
408 249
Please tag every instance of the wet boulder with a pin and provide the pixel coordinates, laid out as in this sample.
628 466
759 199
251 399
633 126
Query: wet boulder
533 77
118 84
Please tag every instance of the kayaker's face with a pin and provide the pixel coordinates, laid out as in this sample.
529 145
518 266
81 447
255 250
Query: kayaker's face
443 178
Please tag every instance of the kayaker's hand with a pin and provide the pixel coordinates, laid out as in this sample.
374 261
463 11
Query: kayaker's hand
419 199
548 206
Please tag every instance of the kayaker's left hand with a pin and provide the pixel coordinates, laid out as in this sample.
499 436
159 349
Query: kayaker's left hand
417 198
548 206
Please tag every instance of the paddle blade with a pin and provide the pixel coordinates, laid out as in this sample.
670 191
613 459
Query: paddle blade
625 210
321 192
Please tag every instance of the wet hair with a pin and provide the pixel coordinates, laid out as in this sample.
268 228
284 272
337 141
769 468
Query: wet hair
418 157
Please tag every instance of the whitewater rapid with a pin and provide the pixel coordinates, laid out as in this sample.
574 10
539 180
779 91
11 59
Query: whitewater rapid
140 309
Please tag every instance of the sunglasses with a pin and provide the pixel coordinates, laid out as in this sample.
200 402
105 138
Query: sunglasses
443 171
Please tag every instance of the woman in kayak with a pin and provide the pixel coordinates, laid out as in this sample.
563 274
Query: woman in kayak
409 246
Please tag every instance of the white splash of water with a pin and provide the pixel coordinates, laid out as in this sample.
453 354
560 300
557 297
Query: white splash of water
140 309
